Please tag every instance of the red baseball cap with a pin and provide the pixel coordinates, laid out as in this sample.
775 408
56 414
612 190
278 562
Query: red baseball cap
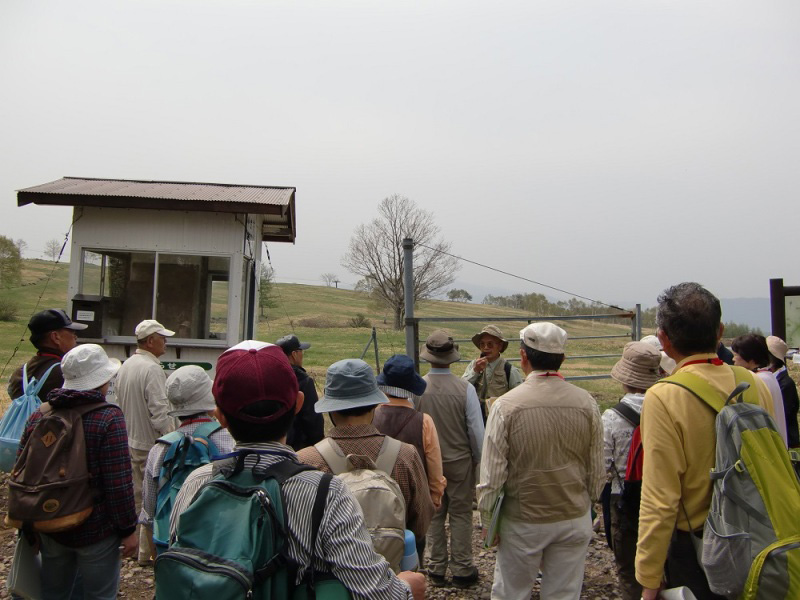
252 372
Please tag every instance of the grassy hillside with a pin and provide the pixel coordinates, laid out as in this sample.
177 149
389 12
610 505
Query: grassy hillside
322 316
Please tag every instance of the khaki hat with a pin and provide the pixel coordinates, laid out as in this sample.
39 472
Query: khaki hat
189 392
544 337
150 326
777 347
440 349
492 331
638 366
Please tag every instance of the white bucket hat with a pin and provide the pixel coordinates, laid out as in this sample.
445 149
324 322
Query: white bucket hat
189 392
667 364
87 367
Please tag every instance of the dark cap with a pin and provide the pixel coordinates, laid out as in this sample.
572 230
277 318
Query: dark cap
252 372
399 372
52 319
290 343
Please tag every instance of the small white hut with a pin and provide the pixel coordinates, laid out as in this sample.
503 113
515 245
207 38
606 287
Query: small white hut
186 254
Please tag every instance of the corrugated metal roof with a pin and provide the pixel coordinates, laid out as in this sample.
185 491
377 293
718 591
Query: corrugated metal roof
166 190
277 202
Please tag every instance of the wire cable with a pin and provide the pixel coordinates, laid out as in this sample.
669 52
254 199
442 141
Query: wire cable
520 277
38 300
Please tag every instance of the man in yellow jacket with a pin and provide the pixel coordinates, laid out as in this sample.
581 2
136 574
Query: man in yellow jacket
679 443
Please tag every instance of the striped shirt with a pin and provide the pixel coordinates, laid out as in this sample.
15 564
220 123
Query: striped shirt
155 459
343 541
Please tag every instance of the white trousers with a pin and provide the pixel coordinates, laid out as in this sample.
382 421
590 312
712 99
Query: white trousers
559 549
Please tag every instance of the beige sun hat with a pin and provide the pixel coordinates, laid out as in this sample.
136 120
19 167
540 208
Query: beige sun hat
638 366
440 349
777 347
493 331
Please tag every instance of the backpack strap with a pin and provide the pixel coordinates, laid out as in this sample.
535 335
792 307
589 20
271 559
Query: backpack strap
387 457
332 454
507 369
203 435
170 438
37 384
627 412
711 395
317 512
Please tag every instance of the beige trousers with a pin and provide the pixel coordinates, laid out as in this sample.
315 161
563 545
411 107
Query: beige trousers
457 504
147 551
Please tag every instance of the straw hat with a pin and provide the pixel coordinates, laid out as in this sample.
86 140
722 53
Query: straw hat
777 347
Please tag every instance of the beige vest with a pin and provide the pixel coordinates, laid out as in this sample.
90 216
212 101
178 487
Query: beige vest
445 400
497 384
550 427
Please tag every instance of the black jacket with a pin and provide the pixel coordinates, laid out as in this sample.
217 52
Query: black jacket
790 407
308 427
36 368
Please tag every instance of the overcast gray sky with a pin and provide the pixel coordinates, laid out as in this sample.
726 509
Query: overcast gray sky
609 148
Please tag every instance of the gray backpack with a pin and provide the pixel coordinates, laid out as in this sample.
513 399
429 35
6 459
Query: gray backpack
377 493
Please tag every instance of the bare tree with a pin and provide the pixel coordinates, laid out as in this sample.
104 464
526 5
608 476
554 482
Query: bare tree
376 252
266 289
52 249
21 245
10 263
329 279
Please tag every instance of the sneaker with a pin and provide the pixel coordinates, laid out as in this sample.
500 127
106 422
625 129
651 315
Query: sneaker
437 580
466 581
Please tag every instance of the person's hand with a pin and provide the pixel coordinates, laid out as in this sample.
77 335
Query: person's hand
485 532
416 581
650 593
130 545
480 365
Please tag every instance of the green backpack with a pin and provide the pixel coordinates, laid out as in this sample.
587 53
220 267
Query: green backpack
231 540
751 538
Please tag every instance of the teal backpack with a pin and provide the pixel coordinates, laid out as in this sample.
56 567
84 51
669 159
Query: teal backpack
186 452
231 541
751 539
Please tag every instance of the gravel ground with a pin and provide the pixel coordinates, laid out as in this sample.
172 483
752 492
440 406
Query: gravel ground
599 583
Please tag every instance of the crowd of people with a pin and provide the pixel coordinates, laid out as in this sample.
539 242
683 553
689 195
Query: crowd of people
530 450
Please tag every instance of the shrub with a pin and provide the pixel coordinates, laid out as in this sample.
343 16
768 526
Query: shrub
318 323
8 309
360 321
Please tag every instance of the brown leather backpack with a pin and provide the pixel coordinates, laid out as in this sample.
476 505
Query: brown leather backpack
49 489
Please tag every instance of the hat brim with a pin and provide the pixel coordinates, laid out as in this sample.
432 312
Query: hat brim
193 410
76 326
304 346
95 379
439 359
624 374
417 385
328 404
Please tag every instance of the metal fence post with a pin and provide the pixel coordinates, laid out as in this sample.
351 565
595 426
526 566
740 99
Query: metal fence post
408 292
638 323
375 341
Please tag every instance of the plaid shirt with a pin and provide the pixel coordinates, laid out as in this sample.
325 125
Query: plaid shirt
109 465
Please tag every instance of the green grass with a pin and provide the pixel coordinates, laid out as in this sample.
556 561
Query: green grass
321 316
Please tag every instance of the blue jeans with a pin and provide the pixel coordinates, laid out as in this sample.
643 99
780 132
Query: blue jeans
98 565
